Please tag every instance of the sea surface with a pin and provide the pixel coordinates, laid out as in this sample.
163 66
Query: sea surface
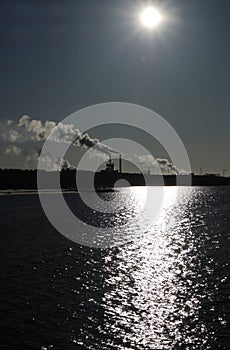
166 288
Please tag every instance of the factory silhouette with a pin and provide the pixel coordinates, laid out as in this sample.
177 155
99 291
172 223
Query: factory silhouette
109 176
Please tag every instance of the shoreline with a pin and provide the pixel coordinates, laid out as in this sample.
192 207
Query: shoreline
51 191
7 192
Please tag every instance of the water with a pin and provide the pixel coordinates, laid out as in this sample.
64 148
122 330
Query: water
169 289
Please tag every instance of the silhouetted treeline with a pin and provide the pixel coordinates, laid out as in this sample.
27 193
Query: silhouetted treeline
18 179
27 179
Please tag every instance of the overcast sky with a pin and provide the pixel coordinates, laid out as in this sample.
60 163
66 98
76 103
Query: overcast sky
59 56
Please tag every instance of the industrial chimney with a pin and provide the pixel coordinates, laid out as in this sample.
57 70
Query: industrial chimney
120 164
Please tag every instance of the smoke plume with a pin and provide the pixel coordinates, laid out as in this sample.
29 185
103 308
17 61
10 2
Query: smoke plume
28 129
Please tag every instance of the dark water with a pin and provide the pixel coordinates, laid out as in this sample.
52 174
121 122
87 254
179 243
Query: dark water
168 290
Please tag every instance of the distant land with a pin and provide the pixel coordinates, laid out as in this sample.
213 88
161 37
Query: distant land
18 179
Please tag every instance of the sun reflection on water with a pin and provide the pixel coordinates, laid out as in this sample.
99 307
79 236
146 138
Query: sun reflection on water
150 302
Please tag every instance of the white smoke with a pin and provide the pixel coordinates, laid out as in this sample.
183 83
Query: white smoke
28 129
152 164
13 150
34 129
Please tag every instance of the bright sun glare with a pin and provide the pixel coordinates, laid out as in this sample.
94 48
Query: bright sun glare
150 17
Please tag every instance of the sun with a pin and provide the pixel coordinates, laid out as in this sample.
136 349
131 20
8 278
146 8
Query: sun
150 17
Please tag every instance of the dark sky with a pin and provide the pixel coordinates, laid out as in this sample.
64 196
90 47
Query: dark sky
59 56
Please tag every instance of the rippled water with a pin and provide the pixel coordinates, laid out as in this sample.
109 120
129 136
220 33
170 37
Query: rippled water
167 288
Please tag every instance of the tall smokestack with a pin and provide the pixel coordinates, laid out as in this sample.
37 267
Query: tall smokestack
120 164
